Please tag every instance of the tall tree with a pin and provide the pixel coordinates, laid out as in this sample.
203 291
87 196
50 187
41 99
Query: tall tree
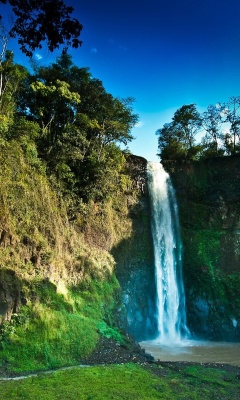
170 143
231 110
188 121
52 106
82 125
12 78
177 139
39 21
110 119
212 124
113 117
212 121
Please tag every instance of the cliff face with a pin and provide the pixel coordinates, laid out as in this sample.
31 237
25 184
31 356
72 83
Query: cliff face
58 285
58 291
208 194
134 261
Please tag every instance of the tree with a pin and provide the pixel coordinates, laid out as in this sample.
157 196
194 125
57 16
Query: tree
169 143
106 122
231 110
53 107
81 124
64 70
176 139
105 119
11 80
44 20
212 123
229 146
112 117
188 122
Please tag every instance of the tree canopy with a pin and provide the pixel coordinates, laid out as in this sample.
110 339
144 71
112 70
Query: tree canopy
75 126
39 21
176 139
218 126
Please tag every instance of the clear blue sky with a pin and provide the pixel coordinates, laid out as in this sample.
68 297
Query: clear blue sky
162 53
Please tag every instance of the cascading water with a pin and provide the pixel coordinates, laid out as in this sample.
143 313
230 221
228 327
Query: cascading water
171 316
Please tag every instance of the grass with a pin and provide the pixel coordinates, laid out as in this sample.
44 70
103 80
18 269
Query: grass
58 330
129 381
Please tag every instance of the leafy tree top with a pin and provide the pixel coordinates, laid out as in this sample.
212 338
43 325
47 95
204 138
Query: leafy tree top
38 21
219 127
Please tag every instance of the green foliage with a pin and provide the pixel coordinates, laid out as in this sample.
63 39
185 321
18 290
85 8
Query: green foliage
62 317
55 329
27 202
109 332
11 80
80 128
232 288
231 110
7 329
210 149
212 121
52 106
219 124
51 339
65 117
208 248
202 255
176 139
44 21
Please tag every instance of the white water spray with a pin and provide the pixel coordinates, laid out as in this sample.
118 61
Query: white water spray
171 315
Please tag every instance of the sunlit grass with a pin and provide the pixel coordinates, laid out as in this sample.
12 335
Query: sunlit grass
129 381
58 330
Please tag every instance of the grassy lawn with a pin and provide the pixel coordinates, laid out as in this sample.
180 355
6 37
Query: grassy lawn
128 381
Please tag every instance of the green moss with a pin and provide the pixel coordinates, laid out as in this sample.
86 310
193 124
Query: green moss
55 329
201 253
208 198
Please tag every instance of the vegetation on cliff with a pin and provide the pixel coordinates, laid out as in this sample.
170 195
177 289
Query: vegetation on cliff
65 193
57 286
208 193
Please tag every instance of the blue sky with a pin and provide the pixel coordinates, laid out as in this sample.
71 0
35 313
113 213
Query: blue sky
162 53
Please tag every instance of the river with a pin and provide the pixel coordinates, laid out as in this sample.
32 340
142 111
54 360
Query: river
195 351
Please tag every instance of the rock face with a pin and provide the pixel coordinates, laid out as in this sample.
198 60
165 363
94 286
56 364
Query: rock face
135 264
208 194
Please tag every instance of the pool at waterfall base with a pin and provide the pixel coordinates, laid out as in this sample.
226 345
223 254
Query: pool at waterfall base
194 351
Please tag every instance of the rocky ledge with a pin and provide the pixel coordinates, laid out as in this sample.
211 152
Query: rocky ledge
108 351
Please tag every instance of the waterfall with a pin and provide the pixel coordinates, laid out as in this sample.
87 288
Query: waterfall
171 317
